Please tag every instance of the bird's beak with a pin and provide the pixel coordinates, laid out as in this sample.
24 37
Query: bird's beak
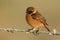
26 12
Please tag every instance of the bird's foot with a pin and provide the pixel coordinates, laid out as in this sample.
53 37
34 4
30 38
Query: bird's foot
29 30
36 32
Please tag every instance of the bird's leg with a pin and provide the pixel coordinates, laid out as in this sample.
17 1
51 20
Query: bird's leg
36 32
30 29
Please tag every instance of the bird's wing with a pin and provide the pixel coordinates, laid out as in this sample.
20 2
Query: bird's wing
39 18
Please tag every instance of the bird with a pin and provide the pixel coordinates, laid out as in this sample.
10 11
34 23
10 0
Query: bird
35 20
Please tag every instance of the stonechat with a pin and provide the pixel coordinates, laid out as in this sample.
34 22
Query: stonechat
35 19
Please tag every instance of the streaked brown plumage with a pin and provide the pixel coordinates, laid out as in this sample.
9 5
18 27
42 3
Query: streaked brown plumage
35 19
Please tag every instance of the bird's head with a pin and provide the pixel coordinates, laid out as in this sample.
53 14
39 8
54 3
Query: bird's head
30 10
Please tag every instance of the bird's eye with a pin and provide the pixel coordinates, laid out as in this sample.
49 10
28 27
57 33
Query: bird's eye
30 11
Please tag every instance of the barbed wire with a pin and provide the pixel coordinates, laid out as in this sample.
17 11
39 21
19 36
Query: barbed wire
13 29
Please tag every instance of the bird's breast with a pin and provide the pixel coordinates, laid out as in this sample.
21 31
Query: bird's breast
33 22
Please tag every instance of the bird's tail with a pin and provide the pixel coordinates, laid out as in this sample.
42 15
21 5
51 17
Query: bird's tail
47 28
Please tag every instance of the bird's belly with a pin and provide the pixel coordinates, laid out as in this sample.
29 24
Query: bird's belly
33 22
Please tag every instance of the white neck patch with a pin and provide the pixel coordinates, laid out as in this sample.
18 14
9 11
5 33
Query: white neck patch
34 11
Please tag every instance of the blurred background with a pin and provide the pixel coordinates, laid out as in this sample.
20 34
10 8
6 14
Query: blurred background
12 13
